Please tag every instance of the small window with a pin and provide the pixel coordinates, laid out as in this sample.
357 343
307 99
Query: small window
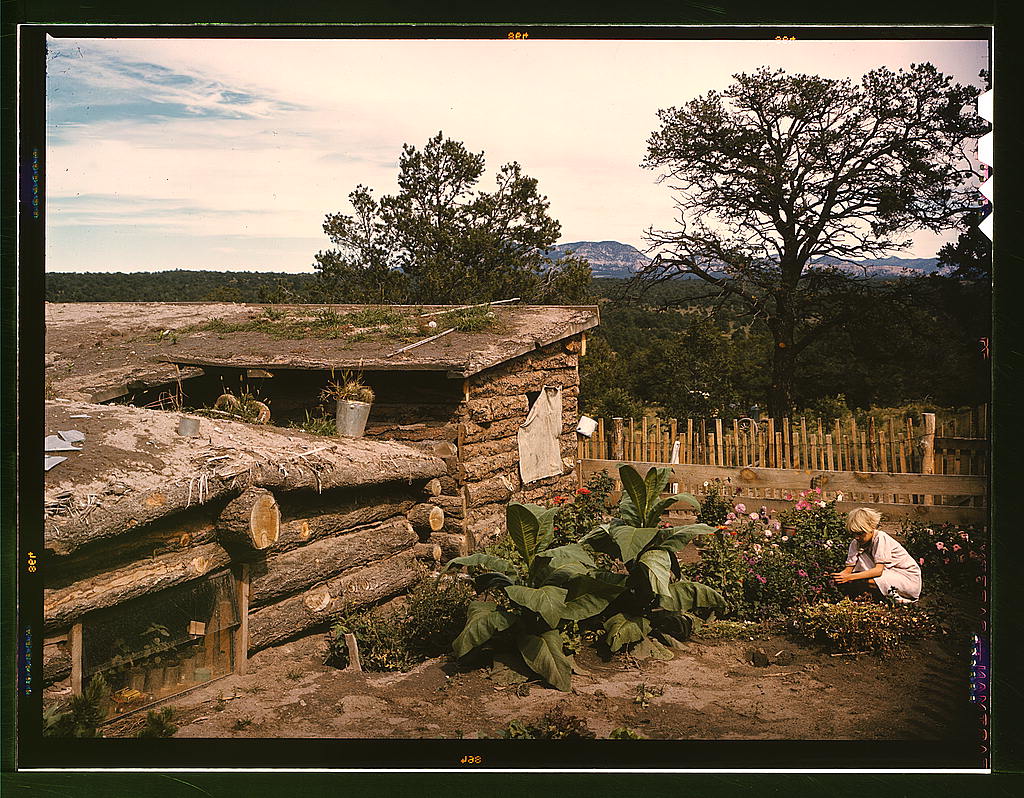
162 644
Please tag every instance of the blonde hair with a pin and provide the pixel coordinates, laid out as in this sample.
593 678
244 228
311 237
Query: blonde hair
862 519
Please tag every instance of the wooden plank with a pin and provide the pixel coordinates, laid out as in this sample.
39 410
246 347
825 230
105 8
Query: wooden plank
673 434
928 448
808 454
644 452
736 442
631 452
75 644
242 632
689 441
719 451
775 478
773 458
978 444
829 454
877 482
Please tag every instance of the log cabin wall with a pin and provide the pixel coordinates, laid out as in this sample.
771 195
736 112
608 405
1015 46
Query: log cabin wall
345 548
497 403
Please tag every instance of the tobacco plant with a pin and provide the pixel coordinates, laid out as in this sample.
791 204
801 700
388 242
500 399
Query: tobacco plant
654 603
528 606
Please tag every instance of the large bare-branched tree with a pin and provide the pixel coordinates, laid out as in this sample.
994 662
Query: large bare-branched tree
780 170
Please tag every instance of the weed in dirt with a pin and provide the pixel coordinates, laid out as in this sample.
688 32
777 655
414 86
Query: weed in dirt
159 723
623 733
468 319
645 693
242 723
318 425
729 630
434 613
554 725
295 674
850 626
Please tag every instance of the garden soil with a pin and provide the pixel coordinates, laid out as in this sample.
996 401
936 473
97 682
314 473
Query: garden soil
711 690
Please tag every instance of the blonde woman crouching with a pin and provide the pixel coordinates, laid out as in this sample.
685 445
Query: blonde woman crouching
876 564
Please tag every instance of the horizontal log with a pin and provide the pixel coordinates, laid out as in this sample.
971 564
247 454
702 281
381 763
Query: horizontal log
426 518
316 562
432 487
495 489
491 430
523 381
177 533
485 530
452 506
252 520
489 448
497 408
64 605
362 464
487 511
315 607
300 531
451 544
481 468
408 433
436 448
56 662
551 357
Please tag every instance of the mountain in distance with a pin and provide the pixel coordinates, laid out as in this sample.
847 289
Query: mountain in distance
606 258
614 259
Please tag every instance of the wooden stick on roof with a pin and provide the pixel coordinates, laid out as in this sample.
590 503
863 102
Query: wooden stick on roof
420 343
467 307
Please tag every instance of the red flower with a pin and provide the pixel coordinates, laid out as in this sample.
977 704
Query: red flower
583 491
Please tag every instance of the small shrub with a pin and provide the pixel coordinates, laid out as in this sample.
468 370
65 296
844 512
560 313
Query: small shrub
860 626
623 733
468 319
159 723
349 388
82 714
950 555
721 566
715 504
554 725
434 613
318 425
582 512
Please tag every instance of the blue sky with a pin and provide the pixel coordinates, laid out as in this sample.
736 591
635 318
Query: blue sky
227 154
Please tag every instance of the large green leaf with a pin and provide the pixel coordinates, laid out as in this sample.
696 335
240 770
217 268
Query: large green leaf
547 601
689 498
636 489
570 553
531 528
589 596
655 482
491 580
631 540
678 537
685 596
485 561
625 629
599 540
544 654
483 621
659 570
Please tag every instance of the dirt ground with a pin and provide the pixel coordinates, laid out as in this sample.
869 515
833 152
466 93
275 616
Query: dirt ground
709 691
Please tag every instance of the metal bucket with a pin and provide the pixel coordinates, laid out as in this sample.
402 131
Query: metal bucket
351 418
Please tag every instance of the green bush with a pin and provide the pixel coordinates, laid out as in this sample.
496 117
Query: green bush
434 612
578 515
860 626
82 714
950 555
554 725
716 503
159 723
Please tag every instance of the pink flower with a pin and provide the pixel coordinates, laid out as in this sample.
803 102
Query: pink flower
757 547
920 560
754 516
768 533
817 490
741 508
785 538
802 572
788 496
760 578
802 505
730 516
956 547
940 545
776 525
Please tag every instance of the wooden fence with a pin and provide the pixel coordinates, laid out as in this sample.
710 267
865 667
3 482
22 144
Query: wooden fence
954 445
928 497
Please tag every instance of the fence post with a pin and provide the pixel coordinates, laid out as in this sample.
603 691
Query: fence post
928 448
617 439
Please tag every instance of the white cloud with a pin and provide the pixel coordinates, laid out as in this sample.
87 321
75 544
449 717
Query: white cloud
322 116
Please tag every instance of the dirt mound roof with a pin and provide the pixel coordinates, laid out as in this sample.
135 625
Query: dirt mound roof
133 467
98 351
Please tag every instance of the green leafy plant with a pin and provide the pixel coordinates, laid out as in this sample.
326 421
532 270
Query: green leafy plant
849 626
950 555
159 723
556 724
82 714
715 504
654 605
349 388
624 733
529 604
579 514
434 612
319 424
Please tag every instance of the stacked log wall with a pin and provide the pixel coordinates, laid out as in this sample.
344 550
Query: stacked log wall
496 407
344 549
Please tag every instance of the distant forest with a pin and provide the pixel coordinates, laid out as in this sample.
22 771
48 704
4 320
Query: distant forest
699 357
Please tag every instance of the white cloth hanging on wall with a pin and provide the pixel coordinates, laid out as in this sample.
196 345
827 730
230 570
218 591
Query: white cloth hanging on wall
540 451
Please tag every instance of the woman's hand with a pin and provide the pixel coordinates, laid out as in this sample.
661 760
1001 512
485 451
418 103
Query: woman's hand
842 578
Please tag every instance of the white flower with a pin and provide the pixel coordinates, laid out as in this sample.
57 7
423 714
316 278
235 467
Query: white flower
754 516
839 497
706 484
821 504
785 538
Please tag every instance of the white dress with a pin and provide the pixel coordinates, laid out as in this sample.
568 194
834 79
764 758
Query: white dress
901 575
